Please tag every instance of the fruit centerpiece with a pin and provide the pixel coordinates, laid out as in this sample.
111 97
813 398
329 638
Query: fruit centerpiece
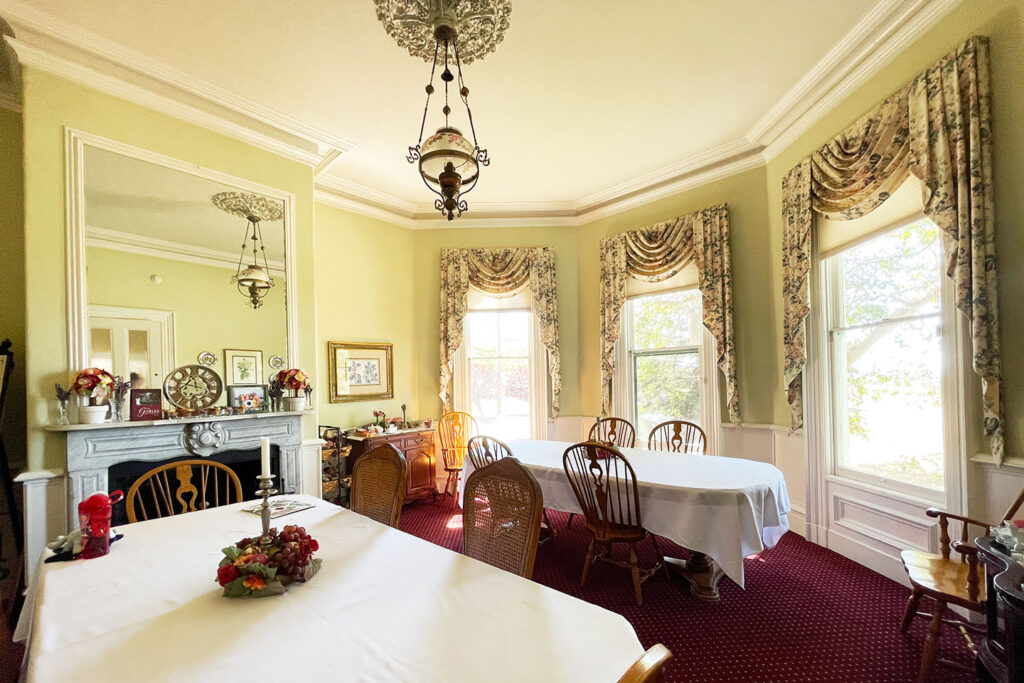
265 565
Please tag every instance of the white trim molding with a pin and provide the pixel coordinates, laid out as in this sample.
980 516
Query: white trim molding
66 50
58 47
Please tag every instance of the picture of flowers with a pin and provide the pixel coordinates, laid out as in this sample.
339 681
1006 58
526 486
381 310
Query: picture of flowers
360 371
243 366
363 372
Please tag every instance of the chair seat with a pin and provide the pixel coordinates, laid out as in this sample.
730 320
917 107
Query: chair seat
934 574
617 533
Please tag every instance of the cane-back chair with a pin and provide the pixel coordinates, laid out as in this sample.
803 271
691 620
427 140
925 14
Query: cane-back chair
948 579
678 436
378 484
650 668
455 430
501 516
182 486
482 451
606 488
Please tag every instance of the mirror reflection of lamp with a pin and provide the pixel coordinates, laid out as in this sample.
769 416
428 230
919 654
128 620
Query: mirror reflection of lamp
252 276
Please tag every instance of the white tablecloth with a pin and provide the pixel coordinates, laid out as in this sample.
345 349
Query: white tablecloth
726 508
386 606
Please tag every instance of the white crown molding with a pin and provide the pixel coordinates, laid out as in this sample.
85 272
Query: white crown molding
52 45
58 47
102 238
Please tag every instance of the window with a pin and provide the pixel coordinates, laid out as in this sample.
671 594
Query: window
884 324
664 354
498 348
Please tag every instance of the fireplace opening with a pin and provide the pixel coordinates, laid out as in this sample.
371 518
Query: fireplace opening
244 463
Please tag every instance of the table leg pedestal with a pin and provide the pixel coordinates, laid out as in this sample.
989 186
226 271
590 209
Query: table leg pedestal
701 572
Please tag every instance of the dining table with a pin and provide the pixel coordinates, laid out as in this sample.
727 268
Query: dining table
385 606
721 509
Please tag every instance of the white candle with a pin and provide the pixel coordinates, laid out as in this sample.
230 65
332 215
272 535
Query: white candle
265 455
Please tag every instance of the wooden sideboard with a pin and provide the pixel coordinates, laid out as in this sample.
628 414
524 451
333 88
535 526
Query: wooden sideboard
418 447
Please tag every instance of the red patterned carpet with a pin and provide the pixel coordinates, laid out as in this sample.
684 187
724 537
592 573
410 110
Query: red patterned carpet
807 614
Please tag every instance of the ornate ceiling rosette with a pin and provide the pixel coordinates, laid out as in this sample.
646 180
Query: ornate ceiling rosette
246 204
479 24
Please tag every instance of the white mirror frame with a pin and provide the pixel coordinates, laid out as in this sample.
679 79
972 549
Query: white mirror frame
75 143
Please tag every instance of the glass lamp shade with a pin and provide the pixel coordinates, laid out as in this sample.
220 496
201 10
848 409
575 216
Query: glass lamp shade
254 277
448 146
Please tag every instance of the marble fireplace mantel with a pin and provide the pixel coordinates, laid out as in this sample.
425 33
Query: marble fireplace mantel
93 449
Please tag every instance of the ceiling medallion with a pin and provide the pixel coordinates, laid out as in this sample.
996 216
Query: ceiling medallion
480 25
446 33
253 279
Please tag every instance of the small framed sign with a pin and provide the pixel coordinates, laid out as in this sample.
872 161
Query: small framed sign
145 405
360 372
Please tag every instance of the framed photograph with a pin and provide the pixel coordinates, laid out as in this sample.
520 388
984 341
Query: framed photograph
144 405
248 397
360 372
243 367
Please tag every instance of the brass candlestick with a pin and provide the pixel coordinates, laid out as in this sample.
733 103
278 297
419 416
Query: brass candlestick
266 490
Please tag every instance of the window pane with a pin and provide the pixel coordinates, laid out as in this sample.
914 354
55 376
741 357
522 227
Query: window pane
483 334
893 407
667 388
515 333
485 388
893 275
102 348
138 358
665 321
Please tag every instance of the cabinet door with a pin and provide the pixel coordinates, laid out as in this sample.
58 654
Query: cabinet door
420 477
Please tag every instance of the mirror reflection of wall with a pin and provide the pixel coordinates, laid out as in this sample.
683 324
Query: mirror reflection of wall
159 261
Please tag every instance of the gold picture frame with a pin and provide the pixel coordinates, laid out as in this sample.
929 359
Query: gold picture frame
360 371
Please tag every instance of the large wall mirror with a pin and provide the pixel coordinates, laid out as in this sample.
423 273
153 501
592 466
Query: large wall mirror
172 265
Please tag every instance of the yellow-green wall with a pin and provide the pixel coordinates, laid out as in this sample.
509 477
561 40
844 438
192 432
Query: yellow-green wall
51 104
12 281
209 312
366 292
1003 22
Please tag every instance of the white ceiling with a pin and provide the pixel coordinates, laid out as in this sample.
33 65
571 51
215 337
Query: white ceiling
581 95
150 202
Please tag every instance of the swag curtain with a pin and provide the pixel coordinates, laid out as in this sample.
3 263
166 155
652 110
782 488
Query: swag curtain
499 273
656 253
939 128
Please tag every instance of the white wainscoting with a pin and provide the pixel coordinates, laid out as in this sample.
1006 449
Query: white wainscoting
44 507
310 469
778 446
573 428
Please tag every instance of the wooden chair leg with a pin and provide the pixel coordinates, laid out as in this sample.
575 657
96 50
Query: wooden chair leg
908 616
568 525
635 570
551 528
931 643
589 561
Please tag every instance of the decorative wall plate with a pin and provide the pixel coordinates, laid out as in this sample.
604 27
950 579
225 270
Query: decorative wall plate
276 362
206 358
192 387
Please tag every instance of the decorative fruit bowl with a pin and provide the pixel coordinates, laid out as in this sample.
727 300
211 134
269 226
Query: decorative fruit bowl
262 566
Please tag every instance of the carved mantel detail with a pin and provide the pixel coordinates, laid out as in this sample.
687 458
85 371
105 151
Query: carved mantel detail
93 449
204 438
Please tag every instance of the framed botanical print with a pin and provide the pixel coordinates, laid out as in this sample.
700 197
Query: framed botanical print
360 372
243 367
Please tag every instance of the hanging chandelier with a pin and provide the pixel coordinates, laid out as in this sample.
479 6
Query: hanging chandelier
447 33
251 277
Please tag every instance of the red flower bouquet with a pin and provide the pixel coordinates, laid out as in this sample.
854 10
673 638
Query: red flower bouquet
94 383
294 379
251 568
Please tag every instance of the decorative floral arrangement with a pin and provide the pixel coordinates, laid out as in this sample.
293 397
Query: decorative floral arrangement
94 383
379 418
252 568
294 379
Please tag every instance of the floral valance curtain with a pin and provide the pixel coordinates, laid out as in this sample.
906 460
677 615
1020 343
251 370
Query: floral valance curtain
937 127
656 253
498 273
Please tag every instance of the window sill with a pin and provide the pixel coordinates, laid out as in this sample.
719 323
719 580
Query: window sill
986 460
